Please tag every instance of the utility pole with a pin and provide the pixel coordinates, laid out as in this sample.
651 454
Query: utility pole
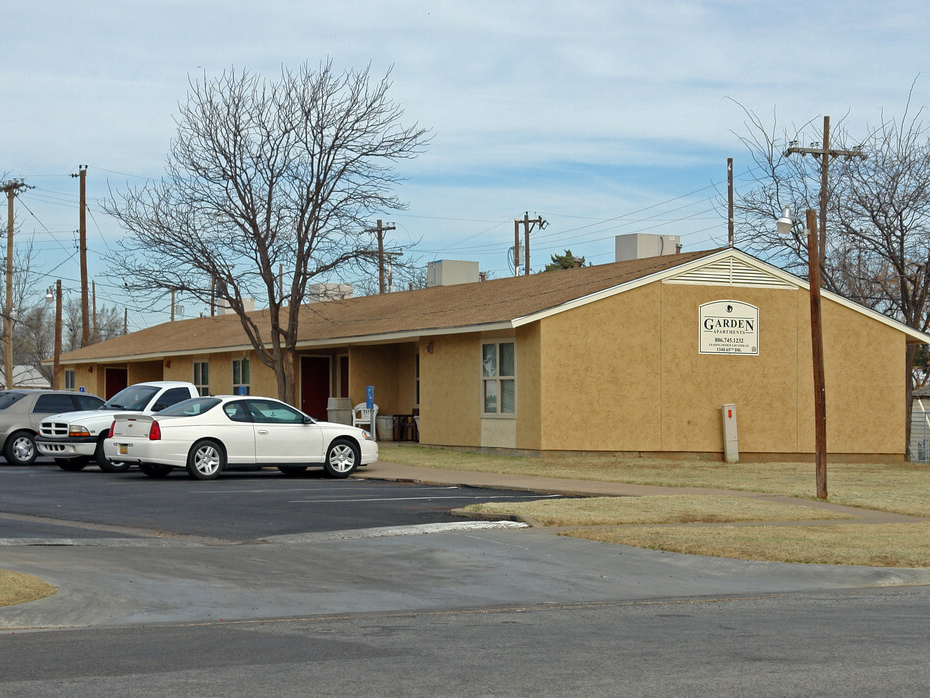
730 236
93 295
516 247
10 187
390 279
825 153
56 362
380 230
820 399
82 251
528 225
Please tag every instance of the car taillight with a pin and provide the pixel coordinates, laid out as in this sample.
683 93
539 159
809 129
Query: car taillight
112 429
155 432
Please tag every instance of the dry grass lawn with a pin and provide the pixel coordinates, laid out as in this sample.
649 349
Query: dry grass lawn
899 487
16 587
656 522
882 545
675 509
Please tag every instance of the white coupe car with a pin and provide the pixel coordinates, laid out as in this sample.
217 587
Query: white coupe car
206 435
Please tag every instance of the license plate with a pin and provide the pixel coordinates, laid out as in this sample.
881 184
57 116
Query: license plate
123 449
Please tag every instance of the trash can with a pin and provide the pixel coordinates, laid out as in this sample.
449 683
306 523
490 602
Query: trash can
339 410
385 425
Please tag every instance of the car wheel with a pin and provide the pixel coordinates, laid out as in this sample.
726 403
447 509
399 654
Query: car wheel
155 470
107 465
20 448
206 460
72 465
293 470
342 458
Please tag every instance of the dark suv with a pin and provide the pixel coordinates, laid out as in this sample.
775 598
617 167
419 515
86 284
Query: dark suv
22 410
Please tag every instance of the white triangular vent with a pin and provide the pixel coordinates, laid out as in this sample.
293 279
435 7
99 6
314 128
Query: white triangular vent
731 272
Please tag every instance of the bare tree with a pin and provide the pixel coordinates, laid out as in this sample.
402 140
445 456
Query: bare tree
263 174
402 274
878 231
108 323
23 282
34 337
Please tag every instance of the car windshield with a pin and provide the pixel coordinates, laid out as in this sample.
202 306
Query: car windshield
190 408
135 397
8 397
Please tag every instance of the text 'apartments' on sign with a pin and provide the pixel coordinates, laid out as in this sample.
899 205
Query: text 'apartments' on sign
728 327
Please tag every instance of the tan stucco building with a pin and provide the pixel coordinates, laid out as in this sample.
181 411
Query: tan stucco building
636 356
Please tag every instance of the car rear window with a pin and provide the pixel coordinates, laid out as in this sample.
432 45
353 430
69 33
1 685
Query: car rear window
9 397
190 408
53 403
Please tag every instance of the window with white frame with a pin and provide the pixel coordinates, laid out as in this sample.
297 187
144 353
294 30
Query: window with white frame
498 378
240 368
202 377
69 379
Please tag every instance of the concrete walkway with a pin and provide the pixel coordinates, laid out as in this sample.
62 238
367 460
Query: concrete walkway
385 470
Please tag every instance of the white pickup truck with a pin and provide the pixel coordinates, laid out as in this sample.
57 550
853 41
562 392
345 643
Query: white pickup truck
74 438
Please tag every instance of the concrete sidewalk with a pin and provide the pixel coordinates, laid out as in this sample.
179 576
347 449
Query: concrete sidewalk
396 472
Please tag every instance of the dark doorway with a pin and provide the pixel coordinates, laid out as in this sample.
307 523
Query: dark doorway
314 385
115 379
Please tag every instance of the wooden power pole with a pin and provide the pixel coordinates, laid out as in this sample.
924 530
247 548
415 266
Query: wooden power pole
380 229
516 247
826 154
56 366
528 225
730 231
82 252
816 252
820 394
10 187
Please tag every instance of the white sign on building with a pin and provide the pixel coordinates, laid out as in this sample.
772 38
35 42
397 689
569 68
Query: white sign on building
728 327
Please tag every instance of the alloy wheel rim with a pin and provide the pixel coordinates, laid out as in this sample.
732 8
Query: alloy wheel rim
206 460
342 458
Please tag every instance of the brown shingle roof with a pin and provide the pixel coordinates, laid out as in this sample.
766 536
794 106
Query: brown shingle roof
425 310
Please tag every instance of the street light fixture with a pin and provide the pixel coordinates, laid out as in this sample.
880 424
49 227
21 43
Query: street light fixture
786 222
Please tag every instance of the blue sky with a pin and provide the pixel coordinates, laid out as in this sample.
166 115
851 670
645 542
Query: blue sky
604 117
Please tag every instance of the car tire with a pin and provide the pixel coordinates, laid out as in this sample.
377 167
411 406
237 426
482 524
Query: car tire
107 465
155 470
293 470
342 458
20 448
206 460
72 465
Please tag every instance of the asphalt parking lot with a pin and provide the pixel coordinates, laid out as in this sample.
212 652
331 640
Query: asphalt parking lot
42 501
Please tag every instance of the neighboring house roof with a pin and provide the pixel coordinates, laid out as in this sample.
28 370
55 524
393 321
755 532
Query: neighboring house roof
25 377
480 306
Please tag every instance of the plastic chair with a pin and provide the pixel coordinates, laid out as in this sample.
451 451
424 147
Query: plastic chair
364 417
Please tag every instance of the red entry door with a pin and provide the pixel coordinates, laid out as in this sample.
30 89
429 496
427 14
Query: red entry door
115 379
314 385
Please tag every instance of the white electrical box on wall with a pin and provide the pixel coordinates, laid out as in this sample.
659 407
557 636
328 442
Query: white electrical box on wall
730 438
